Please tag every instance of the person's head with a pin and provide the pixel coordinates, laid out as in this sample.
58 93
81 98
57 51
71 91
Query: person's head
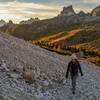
73 57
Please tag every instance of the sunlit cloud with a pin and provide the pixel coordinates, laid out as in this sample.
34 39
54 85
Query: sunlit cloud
4 11
29 5
10 16
18 10
92 1
21 10
86 10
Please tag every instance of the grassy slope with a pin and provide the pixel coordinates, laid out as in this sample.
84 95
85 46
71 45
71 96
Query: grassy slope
83 37
69 34
76 36
93 45
41 28
29 32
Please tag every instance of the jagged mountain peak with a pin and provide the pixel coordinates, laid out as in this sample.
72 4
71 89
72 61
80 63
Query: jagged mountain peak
67 11
96 12
81 13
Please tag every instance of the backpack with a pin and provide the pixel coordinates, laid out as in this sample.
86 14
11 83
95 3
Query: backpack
74 68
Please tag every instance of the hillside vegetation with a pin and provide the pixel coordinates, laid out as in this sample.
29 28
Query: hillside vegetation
85 38
39 29
83 34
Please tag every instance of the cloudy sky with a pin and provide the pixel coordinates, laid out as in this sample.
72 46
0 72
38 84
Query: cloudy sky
18 10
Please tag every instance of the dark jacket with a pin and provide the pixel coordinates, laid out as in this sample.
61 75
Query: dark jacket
73 68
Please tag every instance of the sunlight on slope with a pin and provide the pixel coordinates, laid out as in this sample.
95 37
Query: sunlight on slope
70 34
94 45
52 36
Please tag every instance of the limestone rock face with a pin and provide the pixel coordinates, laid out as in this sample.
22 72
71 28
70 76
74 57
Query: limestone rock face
2 23
96 12
10 24
67 11
81 13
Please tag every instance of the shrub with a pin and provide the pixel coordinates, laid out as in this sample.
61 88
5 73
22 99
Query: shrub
29 76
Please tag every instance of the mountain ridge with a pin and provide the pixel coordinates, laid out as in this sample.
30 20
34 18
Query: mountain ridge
48 27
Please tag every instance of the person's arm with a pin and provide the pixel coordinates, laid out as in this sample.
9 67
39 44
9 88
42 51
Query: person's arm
80 69
68 70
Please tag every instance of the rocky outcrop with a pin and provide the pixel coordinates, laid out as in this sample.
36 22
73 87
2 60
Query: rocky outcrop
17 54
67 11
31 20
96 12
10 24
2 23
81 13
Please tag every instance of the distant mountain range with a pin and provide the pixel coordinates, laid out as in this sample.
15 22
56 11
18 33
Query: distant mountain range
69 28
34 29
31 20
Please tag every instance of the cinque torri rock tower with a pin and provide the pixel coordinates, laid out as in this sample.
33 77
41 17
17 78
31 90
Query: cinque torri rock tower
67 11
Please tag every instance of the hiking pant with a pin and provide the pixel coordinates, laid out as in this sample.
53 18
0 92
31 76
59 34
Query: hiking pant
74 77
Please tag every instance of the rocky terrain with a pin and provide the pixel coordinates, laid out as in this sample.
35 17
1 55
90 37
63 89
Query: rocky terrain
28 72
96 12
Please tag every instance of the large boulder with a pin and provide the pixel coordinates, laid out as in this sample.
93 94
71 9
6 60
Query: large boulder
96 12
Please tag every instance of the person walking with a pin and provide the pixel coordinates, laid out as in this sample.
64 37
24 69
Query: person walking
74 67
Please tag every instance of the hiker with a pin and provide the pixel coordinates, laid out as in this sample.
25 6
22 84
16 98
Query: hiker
73 68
